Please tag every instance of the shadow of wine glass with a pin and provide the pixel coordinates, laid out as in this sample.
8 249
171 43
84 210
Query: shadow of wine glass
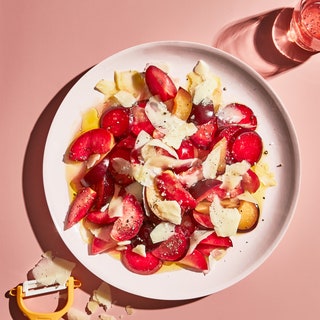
42 223
261 42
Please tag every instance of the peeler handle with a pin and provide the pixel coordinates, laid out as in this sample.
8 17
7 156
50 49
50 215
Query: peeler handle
47 316
51 316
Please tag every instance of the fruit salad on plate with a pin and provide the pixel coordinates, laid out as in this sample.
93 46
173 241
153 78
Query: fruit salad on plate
165 174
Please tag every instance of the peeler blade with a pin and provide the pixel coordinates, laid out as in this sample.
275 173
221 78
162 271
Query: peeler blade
32 288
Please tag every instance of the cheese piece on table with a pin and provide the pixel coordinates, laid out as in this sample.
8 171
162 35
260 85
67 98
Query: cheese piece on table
75 314
102 295
50 270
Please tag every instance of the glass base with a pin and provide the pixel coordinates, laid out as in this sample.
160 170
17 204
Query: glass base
281 38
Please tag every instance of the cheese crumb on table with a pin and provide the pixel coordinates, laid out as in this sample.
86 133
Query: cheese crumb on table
92 306
75 314
129 310
102 296
106 317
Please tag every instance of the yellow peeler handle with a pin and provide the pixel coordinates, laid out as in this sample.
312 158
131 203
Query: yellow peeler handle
71 283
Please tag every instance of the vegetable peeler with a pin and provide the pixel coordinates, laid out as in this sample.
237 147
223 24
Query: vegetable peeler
32 288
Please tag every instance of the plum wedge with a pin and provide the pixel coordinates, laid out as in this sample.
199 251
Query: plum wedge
160 84
80 206
171 189
95 141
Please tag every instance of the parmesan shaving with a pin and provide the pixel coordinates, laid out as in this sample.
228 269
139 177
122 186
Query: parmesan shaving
142 138
124 243
167 210
93 159
121 248
165 162
135 189
125 98
174 129
103 232
225 220
85 232
247 196
230 114
106 87
163 231
144 174
106 317
204 86
196 237
140 249
204 91
160 144
233 174
92 306
75 314
116 204
129 310
211 164
102 295
50 270
202 69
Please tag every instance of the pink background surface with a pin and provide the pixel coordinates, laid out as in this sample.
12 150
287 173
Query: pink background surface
46 46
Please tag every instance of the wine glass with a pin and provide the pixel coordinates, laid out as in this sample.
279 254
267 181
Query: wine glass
296 32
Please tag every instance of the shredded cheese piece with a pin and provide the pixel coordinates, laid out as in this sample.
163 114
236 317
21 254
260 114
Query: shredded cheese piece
174 129
162 232
140 249
50 270
102 295
225 220
129 310
233 174
106 317
196 237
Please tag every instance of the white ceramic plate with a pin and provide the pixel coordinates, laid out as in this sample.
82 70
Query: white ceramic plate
242 85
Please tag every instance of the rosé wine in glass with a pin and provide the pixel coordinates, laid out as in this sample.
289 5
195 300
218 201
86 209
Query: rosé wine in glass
305 25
